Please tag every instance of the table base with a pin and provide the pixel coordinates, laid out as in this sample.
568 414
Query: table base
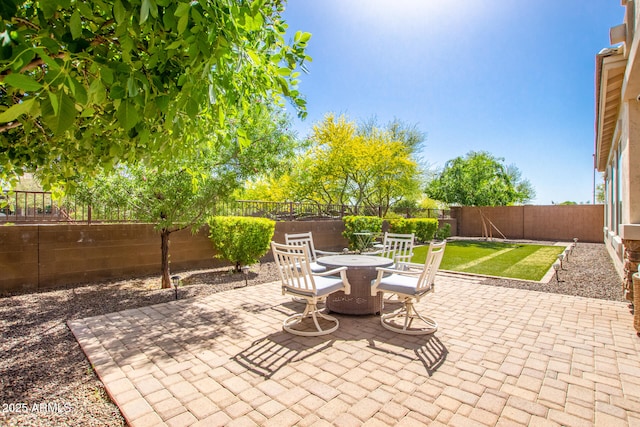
359 301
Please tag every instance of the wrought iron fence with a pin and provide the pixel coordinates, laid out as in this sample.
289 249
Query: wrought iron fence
40 206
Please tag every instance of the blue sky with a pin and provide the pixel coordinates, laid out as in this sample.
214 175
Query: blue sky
514 78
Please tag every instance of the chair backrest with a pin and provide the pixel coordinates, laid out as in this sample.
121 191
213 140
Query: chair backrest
431 265
302 239
398 247
294 267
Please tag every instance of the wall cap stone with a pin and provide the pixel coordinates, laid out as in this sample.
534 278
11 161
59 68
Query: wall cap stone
630 231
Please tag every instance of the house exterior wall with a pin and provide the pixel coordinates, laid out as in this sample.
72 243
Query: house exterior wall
617 144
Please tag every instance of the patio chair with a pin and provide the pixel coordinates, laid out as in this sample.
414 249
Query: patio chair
300 239
299 281
398 247
410 281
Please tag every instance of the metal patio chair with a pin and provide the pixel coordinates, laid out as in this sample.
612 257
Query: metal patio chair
299 281
410 282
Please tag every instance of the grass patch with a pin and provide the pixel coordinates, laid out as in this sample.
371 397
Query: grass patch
511 260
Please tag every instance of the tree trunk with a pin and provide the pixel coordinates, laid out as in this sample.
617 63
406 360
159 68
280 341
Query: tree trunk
164 250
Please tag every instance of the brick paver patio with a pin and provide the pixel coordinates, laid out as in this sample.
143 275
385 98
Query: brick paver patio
501 357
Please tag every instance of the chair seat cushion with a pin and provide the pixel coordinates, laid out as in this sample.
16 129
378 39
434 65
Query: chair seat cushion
396 283
317 268
324 286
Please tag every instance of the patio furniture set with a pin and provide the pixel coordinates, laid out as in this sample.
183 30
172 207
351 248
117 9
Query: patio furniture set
354 284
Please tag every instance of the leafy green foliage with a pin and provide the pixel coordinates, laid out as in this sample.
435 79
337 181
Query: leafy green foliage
443 232
184 191
425 228
241 240
360 224
479 179
87 84
344 165
402 226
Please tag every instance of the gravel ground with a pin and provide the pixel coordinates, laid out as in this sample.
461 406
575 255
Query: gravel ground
45 379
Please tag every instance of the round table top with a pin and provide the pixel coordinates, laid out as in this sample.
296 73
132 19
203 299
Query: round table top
354 261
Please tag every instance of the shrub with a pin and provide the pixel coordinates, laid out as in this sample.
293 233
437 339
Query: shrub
402 226
240 240
357 224
443 232
425 228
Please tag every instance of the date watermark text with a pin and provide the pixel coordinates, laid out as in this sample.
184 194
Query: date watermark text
35 407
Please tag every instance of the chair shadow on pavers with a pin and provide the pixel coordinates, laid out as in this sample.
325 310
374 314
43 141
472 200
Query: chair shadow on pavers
430 351
267 355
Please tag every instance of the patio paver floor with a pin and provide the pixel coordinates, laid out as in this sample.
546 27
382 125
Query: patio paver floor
501 356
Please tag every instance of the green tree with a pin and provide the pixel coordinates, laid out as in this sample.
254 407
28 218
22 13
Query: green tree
412 137
185 191
600 191
86 84
479 179
343 166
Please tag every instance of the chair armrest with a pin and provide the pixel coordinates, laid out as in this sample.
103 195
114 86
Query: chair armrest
331 272
319 252
384 270
343 276
411 265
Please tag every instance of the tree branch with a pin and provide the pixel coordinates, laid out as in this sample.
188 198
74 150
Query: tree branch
9 126
31 65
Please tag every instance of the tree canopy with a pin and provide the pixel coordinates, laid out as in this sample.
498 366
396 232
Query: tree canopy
479 179
344 164
184 192
86 84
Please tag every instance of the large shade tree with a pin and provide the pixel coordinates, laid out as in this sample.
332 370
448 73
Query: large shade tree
183 192
480 179
87 84
367 167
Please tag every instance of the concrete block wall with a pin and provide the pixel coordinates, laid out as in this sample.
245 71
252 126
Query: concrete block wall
34 257
556 222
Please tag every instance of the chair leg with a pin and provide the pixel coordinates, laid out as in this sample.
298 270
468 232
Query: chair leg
311 310
406 315
304 301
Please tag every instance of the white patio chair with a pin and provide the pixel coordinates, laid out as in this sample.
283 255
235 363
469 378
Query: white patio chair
298 280
300 239
398 247
410 281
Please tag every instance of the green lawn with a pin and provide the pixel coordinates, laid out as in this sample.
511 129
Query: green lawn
518 261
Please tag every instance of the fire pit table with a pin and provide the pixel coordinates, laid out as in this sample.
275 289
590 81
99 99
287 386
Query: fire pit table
361 270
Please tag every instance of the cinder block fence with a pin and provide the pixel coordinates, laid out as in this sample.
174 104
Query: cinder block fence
34 257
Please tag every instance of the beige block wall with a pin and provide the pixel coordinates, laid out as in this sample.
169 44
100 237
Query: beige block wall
46 256
556 222
35 257
19 258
